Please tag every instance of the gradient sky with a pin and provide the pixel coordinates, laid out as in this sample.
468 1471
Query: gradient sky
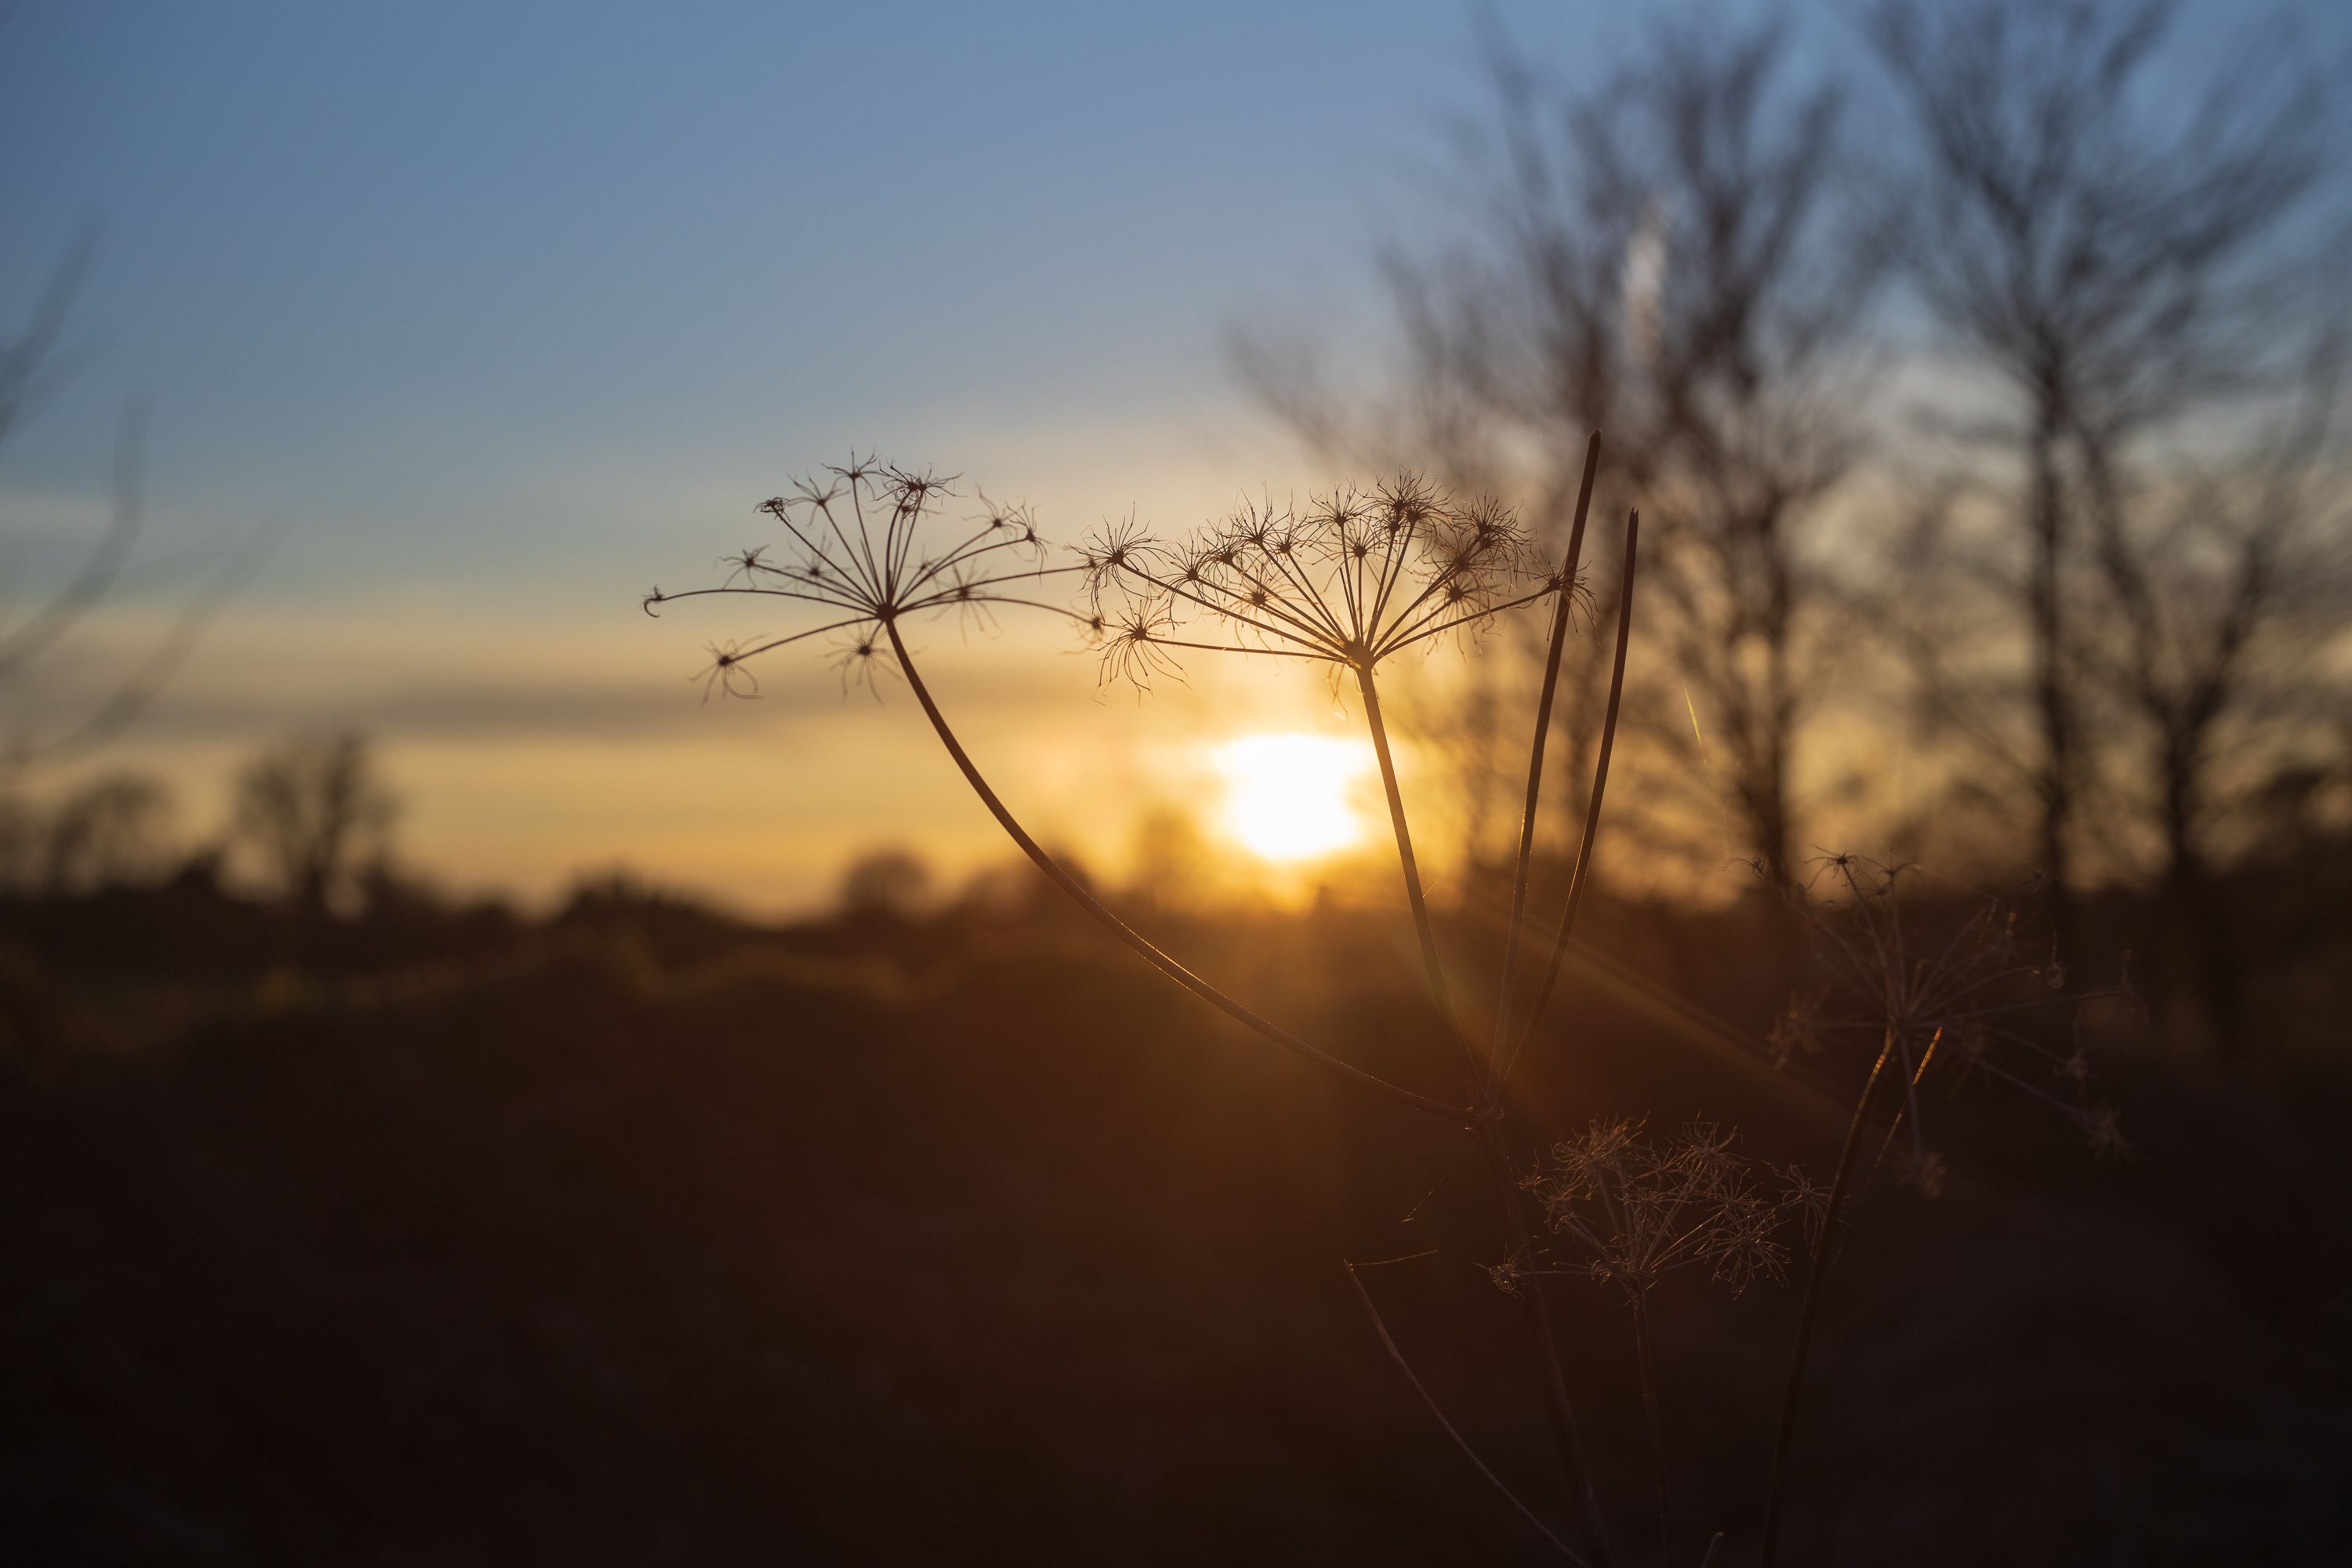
508 312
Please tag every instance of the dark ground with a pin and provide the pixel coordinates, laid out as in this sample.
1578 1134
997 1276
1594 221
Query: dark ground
640 1236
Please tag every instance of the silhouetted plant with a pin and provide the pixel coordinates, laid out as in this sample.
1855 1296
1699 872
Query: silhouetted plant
1347 584
1924 1002
1352 581
1632 1212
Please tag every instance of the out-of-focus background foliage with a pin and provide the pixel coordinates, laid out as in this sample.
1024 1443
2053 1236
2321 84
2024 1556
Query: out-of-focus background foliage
466 1100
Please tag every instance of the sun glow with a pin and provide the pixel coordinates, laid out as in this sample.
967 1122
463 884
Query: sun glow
1286 796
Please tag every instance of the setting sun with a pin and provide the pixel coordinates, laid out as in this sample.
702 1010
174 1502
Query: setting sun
1287 795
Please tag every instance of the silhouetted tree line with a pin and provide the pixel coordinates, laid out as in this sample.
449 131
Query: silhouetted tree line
921 1232
311 821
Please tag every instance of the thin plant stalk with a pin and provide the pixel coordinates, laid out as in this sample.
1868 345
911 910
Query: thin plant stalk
1128 934
1560 1408
1657 1424
1910 1098
1422 926
1559 619
1254 575
1567 1439
1592 806
1459 1441
1823 1251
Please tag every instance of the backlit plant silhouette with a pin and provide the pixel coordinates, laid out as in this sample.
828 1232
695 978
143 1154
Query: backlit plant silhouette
856 551
1632 1212
1958 1002
1349 583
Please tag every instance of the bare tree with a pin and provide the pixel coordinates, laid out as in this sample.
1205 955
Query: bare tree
1669 258
2224 586
317 812
29 372
2139 279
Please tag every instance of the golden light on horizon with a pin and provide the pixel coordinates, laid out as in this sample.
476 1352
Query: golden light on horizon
1286 796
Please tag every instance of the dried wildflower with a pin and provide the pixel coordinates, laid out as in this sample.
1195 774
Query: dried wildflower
1915 998
1355 578
1358 577
1636 1210
856 548
1925 1002
1132 644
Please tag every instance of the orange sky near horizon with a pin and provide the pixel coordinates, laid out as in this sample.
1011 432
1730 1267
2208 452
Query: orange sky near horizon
535 742
507 314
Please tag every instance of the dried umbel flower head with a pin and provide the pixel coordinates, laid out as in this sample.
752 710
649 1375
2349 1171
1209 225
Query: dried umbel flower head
1925 1003
855 546
1355 577
1634 1211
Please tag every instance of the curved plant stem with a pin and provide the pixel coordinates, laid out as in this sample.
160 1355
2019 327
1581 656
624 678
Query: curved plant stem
1134 939
1822 1251
1559 619
1560 1410
1459 1441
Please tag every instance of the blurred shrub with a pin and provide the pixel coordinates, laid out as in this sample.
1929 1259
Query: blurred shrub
112 831
891 881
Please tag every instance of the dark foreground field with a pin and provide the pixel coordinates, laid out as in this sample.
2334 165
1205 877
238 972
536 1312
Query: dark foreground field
638 1237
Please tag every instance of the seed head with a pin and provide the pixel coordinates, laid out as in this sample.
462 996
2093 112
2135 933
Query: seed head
726 674
1355 577
858 545
1632 1211
1953 1006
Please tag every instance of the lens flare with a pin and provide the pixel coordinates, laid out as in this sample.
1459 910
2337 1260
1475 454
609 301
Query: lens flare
1286 796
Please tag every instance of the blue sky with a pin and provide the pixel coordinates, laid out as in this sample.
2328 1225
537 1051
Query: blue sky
393 269
508 311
